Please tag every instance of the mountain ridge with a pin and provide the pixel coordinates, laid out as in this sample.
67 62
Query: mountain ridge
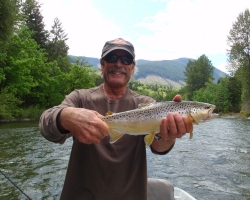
165 72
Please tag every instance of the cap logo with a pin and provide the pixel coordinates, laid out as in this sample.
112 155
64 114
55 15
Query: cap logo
119 41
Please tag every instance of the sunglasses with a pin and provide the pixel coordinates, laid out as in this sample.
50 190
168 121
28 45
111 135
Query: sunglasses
113 58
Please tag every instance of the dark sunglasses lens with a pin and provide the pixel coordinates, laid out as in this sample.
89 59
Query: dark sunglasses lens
126 61
111 58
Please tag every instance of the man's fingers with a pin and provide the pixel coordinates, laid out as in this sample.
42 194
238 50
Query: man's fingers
175 126
103 127
172 124
188 124
180 125
164 129
177 98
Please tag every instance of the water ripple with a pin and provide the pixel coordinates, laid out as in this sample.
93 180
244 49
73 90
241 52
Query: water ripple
213 165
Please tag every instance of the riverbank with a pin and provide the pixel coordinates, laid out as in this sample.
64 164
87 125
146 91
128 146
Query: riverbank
18 120
233 115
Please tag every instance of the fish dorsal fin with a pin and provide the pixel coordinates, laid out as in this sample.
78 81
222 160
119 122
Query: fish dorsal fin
148 139
109 113
146 104
114 135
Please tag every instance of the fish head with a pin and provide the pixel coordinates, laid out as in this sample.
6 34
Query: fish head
201 112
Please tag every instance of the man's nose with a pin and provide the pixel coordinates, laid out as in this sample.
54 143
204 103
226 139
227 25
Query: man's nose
119 63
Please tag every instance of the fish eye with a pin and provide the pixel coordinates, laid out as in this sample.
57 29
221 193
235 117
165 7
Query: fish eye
207 107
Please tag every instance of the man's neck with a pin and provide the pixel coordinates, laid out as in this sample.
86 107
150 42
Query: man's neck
114 93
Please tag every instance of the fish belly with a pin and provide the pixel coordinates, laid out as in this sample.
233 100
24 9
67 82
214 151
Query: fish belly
136 128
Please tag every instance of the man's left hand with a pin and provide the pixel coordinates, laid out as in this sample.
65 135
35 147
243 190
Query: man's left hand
174 125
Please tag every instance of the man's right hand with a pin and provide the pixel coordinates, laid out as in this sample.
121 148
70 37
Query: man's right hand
85 125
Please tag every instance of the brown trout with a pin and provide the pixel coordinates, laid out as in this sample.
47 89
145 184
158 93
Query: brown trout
146 119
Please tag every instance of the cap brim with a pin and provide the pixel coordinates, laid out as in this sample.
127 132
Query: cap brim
115 48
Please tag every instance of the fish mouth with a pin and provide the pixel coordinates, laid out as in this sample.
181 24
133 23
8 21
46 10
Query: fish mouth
210 114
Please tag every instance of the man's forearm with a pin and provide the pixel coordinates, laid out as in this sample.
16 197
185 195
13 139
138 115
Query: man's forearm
162 146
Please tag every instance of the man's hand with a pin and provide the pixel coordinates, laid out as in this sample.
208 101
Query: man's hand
85 125
172 126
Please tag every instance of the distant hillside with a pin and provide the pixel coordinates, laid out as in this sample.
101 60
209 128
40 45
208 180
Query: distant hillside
93 61
166 72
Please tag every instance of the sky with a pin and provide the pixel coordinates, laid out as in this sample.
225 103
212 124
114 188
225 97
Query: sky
158 29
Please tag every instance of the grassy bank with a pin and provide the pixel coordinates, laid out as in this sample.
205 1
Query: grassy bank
22 114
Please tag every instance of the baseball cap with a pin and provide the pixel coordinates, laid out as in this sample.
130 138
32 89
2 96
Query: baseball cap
118 43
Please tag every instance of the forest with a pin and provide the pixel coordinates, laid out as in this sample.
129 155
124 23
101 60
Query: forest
36 72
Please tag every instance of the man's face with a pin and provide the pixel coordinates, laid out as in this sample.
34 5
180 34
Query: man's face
117 74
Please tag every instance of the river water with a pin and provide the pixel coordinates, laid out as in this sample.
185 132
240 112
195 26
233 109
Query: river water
215 164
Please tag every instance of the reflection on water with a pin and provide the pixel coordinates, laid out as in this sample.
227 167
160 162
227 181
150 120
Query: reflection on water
213 165
34 164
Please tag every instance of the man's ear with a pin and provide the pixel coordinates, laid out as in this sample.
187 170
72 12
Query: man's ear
101 65
102 62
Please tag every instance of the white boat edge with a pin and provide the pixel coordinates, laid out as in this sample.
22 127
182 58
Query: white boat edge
180 194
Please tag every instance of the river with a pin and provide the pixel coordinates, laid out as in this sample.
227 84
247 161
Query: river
215 164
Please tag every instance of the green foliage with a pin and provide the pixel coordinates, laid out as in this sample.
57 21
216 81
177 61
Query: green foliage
156 91
239 42
206 94
9 106
245 114
36 73
239 54
224 95
22 57
198 73
79 77
57 48
235 93
34 21
31 113
8 16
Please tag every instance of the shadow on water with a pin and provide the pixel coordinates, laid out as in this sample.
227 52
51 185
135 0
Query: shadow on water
213 165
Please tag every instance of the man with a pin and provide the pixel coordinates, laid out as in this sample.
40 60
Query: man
98 169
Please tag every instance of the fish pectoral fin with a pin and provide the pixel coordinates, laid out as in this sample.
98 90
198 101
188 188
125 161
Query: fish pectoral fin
109 113
114 135
148 139
192 119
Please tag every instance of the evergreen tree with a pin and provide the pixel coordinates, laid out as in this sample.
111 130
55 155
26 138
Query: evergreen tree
57 48
222 96
239 54
235 91
34 21
197 73
8 17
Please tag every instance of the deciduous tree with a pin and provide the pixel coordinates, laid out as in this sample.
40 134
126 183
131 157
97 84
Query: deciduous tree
239 54
198 73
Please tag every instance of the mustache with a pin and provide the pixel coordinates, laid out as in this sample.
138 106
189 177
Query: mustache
117 70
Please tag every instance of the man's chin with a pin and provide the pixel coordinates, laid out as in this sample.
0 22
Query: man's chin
116 83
